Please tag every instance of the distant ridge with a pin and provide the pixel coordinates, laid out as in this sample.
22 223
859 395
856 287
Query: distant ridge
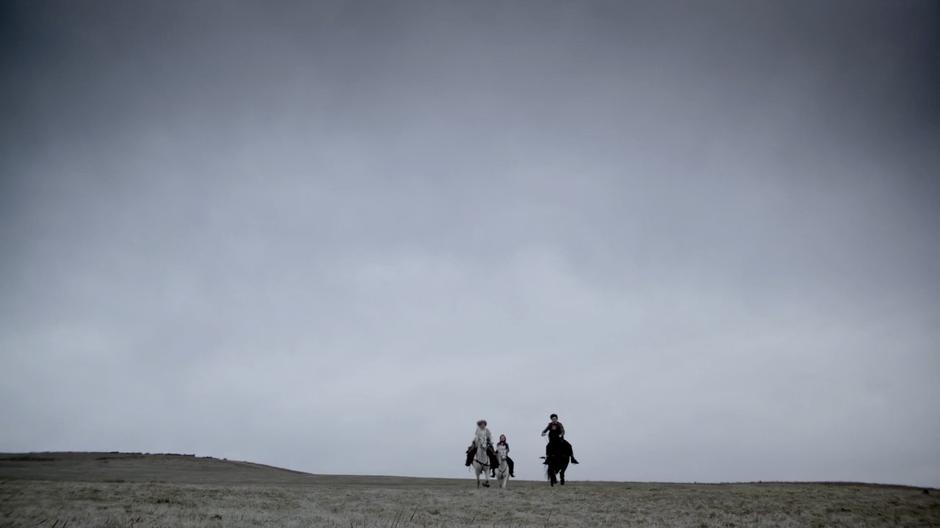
142 467
177 468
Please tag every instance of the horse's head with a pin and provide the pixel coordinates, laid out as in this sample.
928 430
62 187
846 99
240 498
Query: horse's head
501 452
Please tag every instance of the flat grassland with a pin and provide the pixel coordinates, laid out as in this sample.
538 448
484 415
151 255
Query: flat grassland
62 490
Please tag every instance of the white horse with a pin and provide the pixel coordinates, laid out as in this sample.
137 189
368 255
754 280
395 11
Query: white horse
481 459
502 473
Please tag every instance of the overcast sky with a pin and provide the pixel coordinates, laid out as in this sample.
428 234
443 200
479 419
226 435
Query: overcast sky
331 236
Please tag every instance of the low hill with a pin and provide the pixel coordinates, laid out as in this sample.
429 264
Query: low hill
116 467
142 467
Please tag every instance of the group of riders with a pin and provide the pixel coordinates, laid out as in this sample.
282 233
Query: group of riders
556 437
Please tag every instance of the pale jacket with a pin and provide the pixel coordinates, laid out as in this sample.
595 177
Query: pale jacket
483 437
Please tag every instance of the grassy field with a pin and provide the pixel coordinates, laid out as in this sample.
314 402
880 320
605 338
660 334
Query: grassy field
109 489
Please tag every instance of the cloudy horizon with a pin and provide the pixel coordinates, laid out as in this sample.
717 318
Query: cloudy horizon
330 236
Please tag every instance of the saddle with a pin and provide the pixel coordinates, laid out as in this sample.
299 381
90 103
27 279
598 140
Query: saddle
472 451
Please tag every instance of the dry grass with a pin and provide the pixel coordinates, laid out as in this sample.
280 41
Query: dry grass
208 492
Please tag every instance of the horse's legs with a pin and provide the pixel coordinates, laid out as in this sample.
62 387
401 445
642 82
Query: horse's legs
562 475
479 468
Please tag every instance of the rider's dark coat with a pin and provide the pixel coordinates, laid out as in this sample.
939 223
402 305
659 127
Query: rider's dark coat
554 428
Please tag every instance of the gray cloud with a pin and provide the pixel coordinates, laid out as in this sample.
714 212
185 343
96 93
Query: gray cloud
705 234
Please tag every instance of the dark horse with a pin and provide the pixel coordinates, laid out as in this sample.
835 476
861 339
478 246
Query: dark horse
559 455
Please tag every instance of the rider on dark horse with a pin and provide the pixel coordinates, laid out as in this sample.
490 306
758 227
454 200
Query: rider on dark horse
556 433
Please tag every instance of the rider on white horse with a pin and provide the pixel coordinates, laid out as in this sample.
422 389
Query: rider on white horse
481 453
504 443
481 436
